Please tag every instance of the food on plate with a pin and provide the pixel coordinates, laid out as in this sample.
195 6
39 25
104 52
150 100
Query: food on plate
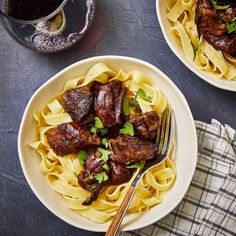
95 135
206 30
69 138
127 149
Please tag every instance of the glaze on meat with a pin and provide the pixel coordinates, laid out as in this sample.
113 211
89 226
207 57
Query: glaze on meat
211 23
109 102
119 173
106 102
86 177
77 102
145 124
69 138
128 149
89 184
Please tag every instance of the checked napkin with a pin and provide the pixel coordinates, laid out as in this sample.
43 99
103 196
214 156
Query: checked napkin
209 207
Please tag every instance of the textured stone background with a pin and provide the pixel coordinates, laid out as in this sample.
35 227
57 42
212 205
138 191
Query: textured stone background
121 27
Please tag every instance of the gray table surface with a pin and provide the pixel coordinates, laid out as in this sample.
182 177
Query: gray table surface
121 27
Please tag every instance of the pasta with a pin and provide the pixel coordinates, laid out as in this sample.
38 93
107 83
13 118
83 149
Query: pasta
62 172
181 14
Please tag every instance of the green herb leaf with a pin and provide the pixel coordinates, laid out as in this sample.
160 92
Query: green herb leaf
141 93
194 52
105 142
98 123
109 145
128 129
231 27
136 165
94 130
82 155
87 199
105 154
218 7
103 131
126 107
93 186
200 44
234 19
106 167
101 177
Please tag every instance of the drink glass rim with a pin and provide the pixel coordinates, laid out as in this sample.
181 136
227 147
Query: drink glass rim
37 20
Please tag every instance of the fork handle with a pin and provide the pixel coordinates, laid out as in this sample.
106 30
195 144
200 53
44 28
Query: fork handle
114 226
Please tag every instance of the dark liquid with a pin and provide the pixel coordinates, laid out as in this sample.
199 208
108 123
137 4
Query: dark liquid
31 9
78 17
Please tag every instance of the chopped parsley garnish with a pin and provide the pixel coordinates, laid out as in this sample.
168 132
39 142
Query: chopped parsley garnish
103 131
194 51
141 93
87 199
105 154
106 167
109 145
105 142
101 177
126 109
128 129
200 44
94 130
136 165
82 155
98 123
93 186
231 27
219 7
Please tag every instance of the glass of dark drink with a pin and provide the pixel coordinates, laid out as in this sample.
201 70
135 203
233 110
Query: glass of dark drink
47 25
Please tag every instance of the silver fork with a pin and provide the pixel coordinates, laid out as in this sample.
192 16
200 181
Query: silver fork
163 146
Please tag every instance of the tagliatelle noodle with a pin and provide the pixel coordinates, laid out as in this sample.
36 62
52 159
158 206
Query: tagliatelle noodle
62 172
181 14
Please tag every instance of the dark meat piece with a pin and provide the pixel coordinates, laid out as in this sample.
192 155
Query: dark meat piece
119 173
128 149
211 23
109 102
90 185
86 177
77 102
145 124
87 119
70 138
223 42
91 164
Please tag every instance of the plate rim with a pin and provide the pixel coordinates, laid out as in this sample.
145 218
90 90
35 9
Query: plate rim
186 62
76 64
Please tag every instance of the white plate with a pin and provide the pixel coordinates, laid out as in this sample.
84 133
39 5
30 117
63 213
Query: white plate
178 51
186 150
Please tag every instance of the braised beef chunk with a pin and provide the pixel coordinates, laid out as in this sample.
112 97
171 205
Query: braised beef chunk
119 173
127 149
92 164
87 177
69 138
145 124
109 102
212 24
77 102
89 184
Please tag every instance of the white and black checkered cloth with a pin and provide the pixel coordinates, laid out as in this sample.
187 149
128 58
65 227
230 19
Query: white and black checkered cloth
209 207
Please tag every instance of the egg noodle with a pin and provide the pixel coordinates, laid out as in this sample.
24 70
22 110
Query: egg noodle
62 172
181 14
